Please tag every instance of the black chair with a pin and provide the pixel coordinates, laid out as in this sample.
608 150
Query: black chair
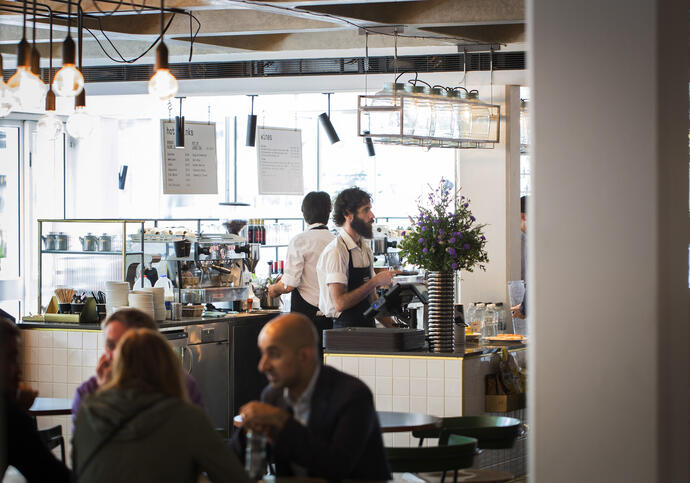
457 454
491 432
52 438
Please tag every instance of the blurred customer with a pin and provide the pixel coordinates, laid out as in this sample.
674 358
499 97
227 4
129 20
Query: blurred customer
303 252
140 427
19 440
114 328
346 266
320 422
519 311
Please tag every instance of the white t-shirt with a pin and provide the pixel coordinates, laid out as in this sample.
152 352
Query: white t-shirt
333 267
300 266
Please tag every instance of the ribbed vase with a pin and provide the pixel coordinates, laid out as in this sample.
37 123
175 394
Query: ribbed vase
441 293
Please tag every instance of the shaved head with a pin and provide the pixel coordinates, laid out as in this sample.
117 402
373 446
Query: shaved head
289 353
292 330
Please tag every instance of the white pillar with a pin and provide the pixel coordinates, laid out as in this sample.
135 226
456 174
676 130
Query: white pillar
608 234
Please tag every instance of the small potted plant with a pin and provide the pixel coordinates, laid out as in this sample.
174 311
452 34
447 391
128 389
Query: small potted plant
443 239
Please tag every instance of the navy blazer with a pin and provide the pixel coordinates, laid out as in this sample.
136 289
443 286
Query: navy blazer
342 439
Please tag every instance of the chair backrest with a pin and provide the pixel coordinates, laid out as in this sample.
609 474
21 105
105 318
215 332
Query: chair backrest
456 455
52 438
491 432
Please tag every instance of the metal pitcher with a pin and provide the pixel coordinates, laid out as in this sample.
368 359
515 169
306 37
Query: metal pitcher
50 241
105 242
89 242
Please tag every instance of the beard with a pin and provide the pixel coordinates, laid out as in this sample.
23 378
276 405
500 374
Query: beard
364 229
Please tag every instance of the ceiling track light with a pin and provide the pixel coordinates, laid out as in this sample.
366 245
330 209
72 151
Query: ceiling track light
367 140
80 123
251 125
68 81
26 86
49 126
325 119
162 84
179 127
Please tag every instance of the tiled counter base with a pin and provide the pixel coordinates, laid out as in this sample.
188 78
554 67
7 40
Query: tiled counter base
436 385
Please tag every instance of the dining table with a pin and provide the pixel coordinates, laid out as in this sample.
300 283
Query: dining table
51 406
400 422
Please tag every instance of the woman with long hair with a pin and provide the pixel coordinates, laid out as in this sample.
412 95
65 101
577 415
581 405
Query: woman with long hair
140 426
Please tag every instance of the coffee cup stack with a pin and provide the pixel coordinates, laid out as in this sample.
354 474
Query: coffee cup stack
116 296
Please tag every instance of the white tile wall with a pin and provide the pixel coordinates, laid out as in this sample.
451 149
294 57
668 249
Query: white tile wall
408 384
56 362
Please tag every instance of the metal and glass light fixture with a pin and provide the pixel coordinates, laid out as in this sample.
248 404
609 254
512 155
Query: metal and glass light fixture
49 126
162 84
26 86
69 81
7 99
251 126
325 119
179 127
80 123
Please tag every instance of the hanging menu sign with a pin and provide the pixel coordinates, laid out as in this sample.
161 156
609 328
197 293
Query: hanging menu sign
279 155
192 170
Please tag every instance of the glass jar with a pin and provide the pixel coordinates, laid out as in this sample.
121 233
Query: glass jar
476 323
462 117
481 119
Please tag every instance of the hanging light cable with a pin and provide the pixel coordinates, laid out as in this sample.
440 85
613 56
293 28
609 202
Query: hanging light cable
162 84
80 123
7 99
49 126
325 119
26 86
251 125
367 140
69 81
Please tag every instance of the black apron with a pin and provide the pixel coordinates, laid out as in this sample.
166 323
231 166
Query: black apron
354 316
298 304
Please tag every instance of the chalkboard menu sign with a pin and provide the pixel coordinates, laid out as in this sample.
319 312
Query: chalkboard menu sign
279 156
192 170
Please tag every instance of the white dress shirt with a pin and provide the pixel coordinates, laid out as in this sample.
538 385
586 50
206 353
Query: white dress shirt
300 266
333 267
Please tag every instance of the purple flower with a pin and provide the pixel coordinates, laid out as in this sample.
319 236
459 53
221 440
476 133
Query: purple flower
451 250
460 235
452 240
403 233
454 266
466 246
435 220
421 240
425 250
440 232
424 228
472 218
462 197
483 237
465 205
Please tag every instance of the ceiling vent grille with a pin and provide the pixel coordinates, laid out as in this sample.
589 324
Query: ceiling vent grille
476 61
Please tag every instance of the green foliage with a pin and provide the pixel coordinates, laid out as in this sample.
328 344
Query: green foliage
443 239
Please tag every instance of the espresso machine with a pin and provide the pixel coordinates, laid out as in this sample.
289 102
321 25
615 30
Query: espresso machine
384 247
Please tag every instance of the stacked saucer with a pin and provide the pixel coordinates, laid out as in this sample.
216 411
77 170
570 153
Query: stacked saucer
116 296
142 300
158 301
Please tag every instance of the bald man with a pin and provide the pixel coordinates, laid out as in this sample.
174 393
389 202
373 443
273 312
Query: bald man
319 421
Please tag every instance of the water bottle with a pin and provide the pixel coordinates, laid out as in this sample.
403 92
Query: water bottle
469 316
255 455
169 297
137 283
501 318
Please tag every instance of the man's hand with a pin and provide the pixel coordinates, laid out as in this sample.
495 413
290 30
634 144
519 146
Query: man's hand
25 396
517 312
263 418
274 290
385 277
103 369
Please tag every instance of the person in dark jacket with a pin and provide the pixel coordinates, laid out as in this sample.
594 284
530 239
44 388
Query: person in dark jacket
19 440
319 421
141 427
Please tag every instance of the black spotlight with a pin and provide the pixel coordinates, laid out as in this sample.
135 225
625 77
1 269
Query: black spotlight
251 126
370 145
325 119
179 128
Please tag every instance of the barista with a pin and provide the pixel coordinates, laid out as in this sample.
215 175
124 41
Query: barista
346 267
303 252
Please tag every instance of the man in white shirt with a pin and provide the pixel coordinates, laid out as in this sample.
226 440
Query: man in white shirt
346 267
303 252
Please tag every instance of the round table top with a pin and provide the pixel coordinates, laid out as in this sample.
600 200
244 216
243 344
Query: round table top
393 422
51 406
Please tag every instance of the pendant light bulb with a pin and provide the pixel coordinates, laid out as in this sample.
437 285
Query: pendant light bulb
80 123
49 126
68 81
7 99
26 86
162 84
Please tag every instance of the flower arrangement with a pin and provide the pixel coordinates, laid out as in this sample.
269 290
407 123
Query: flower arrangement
442 240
